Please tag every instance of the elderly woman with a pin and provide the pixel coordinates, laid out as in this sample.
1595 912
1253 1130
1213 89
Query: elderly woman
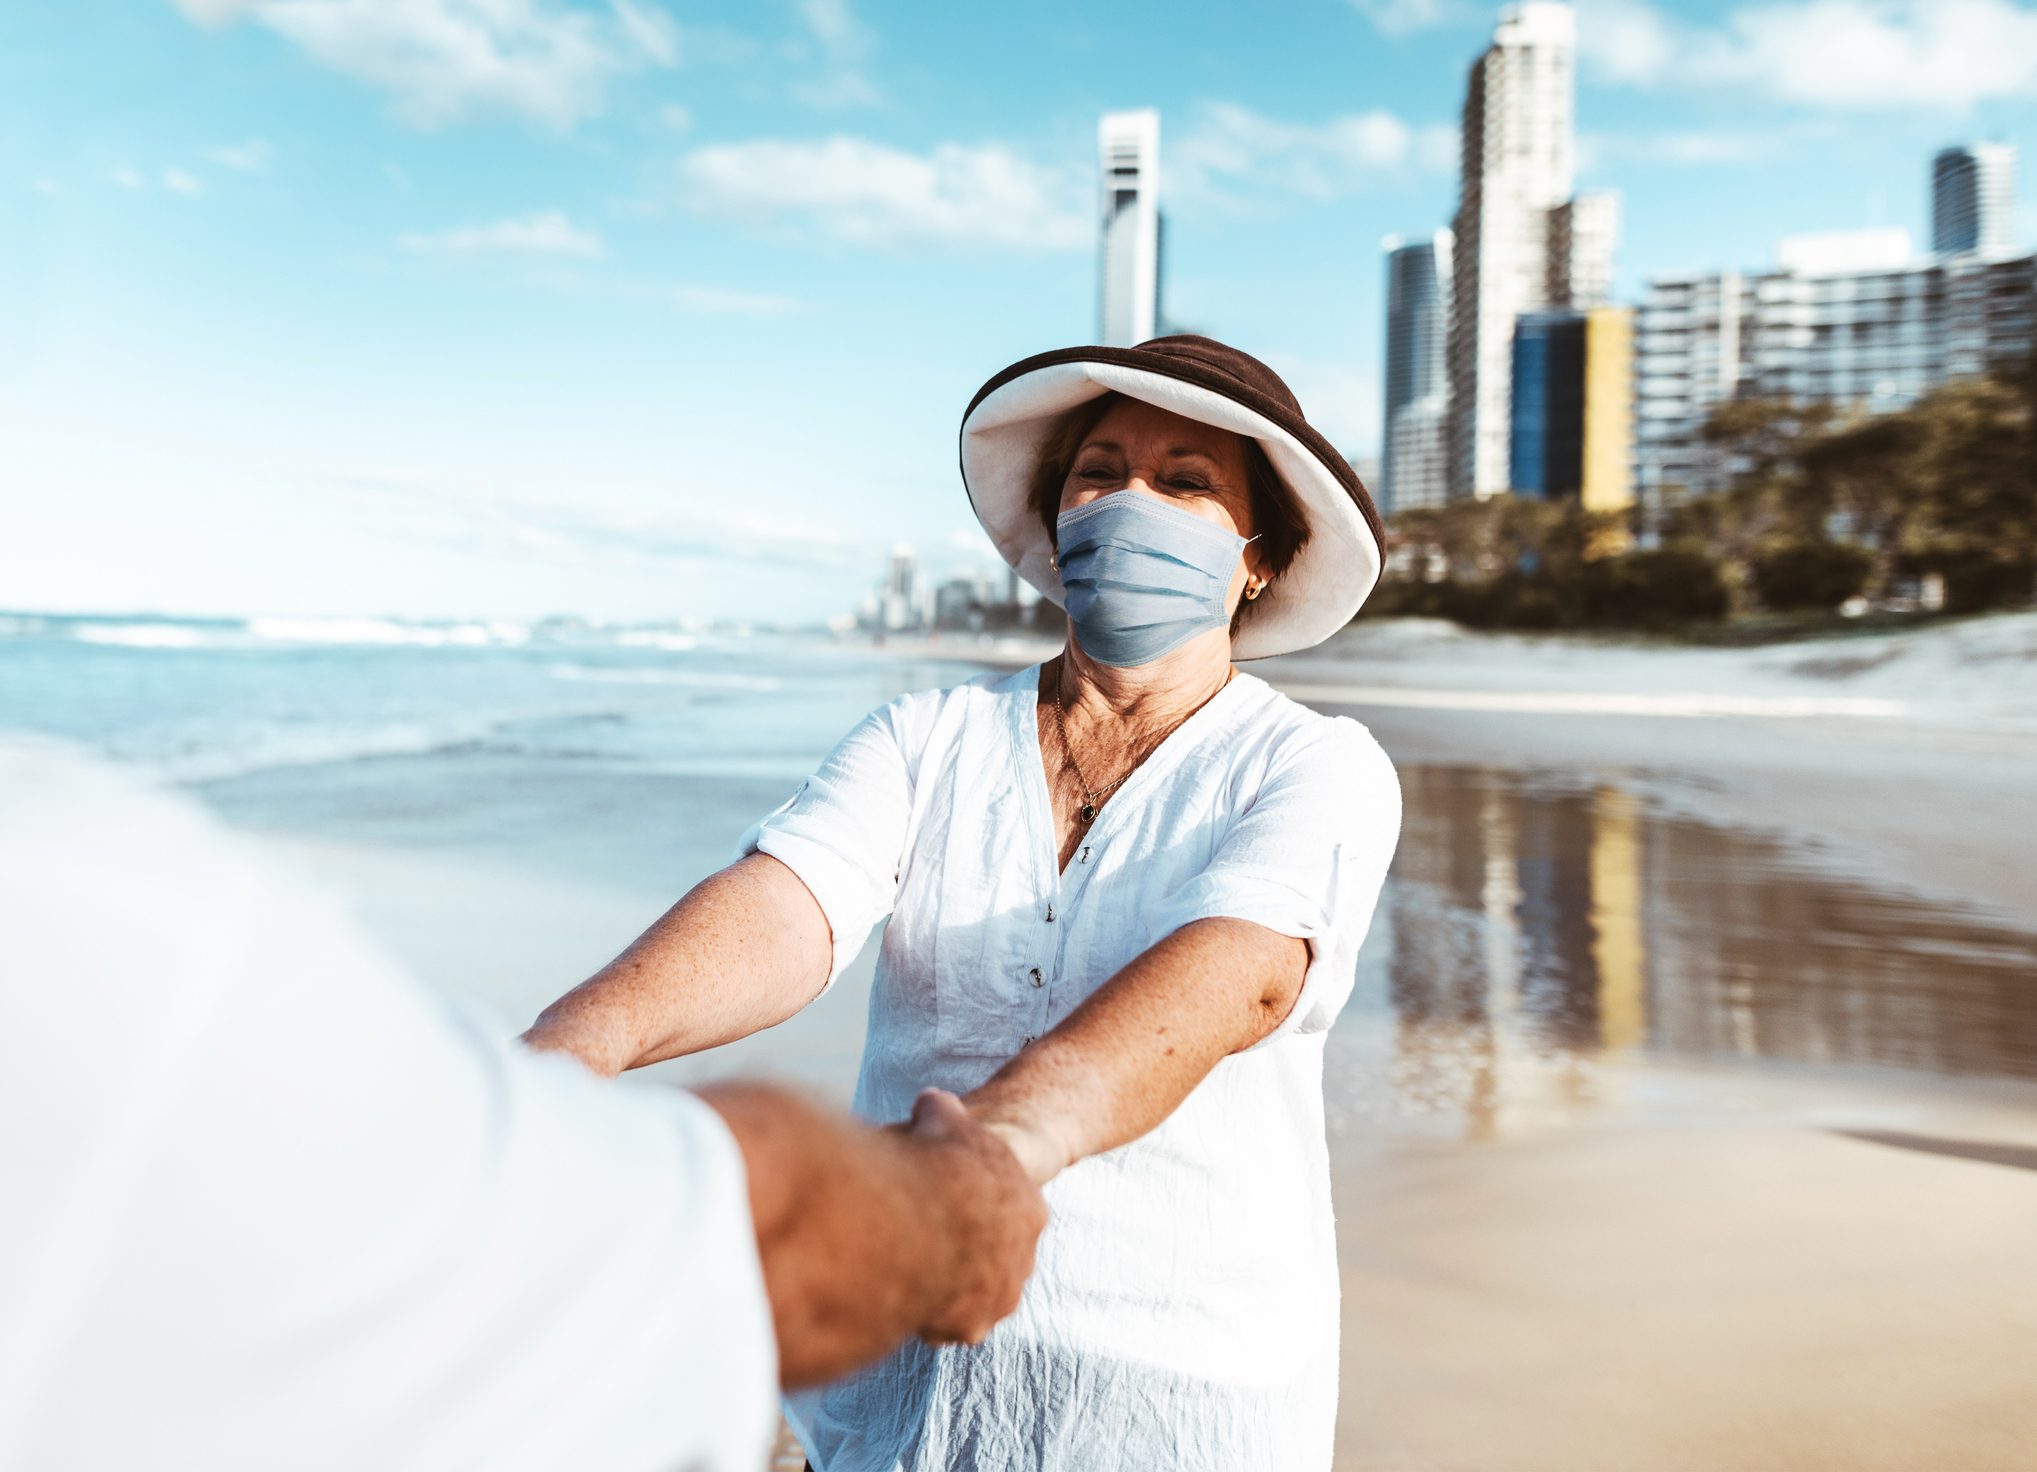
1126 889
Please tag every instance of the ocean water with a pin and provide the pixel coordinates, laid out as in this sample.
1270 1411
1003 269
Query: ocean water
207 701
1540 937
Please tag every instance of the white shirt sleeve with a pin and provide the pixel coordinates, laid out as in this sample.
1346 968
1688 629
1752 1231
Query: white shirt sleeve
273 1205
1308 858
844 831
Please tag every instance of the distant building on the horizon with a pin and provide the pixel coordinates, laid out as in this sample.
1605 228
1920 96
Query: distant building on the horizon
1973 200
1413 465
1523 243
1848 318
1130 228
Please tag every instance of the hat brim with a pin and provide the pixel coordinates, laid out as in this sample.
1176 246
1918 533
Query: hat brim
1010 419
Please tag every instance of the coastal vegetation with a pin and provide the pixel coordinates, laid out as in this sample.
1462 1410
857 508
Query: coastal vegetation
1930 509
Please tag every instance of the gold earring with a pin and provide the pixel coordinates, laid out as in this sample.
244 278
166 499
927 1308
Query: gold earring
1252 589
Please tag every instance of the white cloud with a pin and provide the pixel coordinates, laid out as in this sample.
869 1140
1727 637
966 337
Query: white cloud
609 533
1699 147
128 177
1626 41
48 187
1235 158
676 115
446 61
1398 17
845 45
251 157
1853 54
544 233
179 182
872 194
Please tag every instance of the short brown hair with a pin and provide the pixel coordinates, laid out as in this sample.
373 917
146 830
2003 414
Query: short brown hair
1276 511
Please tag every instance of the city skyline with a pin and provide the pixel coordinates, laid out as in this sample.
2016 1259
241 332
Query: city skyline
324 318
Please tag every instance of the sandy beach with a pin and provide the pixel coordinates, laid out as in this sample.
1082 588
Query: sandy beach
1728 1161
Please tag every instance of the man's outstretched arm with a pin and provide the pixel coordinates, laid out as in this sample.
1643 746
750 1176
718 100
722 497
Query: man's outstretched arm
745 948
869 1236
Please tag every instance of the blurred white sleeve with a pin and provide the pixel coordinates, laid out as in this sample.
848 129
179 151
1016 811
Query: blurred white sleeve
269 1204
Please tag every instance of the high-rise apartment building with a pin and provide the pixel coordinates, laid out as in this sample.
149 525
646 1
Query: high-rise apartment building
1582 234
1973 188
1876 339
1572 406
1413 468
1130 227
1522 243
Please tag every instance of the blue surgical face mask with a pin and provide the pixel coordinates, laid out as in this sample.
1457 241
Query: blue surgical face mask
1143 577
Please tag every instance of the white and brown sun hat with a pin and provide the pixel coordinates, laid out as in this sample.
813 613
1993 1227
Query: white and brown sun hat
1008 423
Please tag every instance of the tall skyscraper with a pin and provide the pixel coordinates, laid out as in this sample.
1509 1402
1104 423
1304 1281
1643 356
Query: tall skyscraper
1129 236
1523 243
1973 190
1412 468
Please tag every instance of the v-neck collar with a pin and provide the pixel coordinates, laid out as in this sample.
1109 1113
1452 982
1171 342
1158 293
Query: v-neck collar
1031 759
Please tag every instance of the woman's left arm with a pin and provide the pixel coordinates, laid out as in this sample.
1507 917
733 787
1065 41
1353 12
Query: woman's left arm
1125 1058
1264 940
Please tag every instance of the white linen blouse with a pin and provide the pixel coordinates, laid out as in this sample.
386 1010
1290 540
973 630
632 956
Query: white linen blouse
1183 1310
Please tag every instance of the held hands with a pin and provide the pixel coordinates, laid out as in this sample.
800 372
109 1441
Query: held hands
989 1217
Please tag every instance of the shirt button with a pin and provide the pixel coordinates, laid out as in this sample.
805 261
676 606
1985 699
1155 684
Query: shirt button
1028 1041
1038 980
1050 912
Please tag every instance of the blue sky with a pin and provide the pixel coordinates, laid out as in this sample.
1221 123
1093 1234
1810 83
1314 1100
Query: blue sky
664 308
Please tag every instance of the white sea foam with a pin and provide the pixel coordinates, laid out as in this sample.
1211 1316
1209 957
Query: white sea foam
656 639
142 635
385 631
699 679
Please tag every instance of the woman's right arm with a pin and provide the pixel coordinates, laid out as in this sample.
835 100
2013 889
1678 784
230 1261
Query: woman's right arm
744 949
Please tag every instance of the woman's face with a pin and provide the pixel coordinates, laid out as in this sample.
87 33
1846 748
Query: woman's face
1140 449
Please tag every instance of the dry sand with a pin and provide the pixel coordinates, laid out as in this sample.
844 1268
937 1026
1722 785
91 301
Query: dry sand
1701 1297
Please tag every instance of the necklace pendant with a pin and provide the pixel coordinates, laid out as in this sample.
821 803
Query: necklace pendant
1088 814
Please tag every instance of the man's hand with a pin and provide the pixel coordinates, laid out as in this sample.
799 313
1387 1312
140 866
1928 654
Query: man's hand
992 1217
868 1236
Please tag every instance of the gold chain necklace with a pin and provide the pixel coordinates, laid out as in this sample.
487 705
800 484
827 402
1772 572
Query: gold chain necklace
1092 797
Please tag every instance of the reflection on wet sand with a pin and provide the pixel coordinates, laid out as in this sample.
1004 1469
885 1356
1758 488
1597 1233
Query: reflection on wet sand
1533 933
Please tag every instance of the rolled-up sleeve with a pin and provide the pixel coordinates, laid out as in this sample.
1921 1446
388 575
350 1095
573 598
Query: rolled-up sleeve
1307 858
844 831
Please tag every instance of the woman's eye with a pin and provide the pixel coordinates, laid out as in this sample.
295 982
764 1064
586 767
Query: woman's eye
1097 472
1188 483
